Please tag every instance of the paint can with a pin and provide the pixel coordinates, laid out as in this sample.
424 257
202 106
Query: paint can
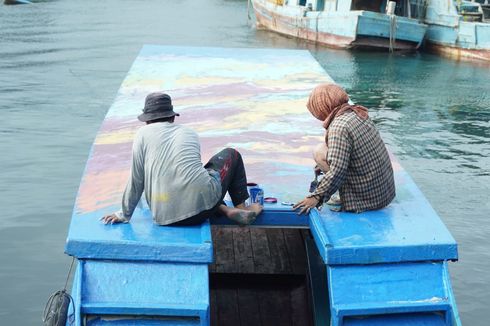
256 194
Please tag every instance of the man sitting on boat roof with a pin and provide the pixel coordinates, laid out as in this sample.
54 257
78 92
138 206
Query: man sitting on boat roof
359 164
166 165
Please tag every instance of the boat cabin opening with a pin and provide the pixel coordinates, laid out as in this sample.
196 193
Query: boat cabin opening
405 8
402 7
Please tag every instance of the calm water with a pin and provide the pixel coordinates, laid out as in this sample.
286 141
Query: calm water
61 63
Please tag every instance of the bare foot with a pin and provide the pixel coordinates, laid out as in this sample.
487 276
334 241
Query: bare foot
257 208
242 216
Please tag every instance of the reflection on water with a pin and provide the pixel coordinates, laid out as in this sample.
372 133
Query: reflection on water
61 63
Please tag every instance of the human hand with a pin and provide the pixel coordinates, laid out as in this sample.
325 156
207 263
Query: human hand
306 205
113 219
317 170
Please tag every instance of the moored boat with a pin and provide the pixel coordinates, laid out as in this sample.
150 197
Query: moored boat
382 267
344 23
458 31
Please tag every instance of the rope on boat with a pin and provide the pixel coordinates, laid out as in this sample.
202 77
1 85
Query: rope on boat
56 310
392 32
390 11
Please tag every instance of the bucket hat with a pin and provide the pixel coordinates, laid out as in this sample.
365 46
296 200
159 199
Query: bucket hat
157 105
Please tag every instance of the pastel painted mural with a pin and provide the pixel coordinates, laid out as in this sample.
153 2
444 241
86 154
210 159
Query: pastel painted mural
252 100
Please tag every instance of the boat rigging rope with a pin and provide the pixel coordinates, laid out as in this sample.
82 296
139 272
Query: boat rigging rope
56 309
392 32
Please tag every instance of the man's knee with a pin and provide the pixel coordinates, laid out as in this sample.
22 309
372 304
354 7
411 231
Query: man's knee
232 151
320 157
320 153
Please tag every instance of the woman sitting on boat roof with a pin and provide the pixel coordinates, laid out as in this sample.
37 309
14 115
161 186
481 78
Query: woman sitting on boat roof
166 165
359 164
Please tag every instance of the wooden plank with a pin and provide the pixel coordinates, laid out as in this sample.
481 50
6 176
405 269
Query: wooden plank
300 311
296 251
317 278
213 311
225 257
212 266
279 254
227 301
248 306
274 306
242 246
261 251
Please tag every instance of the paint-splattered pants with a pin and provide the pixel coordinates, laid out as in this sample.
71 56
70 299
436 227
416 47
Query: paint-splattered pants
229 164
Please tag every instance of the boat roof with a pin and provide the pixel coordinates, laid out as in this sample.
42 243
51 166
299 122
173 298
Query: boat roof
252 100
249 99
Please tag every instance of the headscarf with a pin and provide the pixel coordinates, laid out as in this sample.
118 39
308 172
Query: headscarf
328 101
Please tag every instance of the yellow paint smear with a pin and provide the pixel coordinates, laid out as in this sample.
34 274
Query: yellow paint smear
116 137
163 198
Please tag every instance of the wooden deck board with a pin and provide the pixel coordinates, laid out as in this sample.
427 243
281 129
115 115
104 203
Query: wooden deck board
258 251
261 251
242 245
213 309
296 250
227 304
225 257
279 253
259 300
259 278
275 306
248 306
300 310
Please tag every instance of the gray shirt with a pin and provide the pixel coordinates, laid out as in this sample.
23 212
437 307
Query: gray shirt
167 166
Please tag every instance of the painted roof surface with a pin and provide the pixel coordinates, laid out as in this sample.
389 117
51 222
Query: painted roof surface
252 100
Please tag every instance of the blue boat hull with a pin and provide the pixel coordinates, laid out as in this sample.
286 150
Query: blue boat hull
141 273
448 34
348 29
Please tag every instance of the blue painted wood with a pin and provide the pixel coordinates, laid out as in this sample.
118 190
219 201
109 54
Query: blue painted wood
449 34
140 321
407 230
273 215
176 289
149 309
378 25
336 24
139 240
77 295
380 289
419 319
130 288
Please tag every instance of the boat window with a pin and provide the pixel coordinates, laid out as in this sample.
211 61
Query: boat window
320 5
302 2
418 8
368 5
401 8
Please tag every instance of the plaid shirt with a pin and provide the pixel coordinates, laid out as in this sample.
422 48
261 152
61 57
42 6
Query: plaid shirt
359 165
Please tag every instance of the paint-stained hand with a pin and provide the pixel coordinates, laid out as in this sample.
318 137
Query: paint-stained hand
114 218
306 205
317 170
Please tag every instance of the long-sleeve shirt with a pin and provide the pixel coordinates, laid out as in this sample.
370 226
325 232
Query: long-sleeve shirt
360 167
166 165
